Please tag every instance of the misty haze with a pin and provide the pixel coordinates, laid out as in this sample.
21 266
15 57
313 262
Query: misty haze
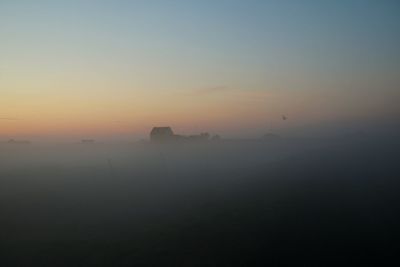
199 133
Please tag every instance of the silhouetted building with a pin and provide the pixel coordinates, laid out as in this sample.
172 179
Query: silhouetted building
162 135
166 135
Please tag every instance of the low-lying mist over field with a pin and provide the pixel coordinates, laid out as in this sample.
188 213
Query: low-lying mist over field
199 133
215 203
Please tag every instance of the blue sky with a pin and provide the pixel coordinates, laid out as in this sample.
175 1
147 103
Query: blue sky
329 54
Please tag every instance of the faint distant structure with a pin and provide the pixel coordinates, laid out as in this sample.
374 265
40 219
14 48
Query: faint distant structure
199 137
205 136
18 142
284 117
87 141
162 135
166 135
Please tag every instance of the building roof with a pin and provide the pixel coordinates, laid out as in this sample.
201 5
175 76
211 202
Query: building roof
162 130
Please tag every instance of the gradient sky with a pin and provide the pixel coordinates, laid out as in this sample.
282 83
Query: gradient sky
116 68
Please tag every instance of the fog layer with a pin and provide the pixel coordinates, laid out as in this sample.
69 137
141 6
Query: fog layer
219 203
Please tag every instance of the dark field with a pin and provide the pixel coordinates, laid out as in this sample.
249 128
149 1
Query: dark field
308 203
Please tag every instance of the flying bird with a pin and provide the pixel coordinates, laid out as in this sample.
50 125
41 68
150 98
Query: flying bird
284 117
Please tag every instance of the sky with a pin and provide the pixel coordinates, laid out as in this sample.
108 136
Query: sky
116 68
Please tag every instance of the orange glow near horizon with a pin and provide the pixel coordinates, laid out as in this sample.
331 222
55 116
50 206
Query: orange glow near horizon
220 112
216 110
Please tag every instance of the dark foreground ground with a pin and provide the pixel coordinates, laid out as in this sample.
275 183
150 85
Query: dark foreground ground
221 205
